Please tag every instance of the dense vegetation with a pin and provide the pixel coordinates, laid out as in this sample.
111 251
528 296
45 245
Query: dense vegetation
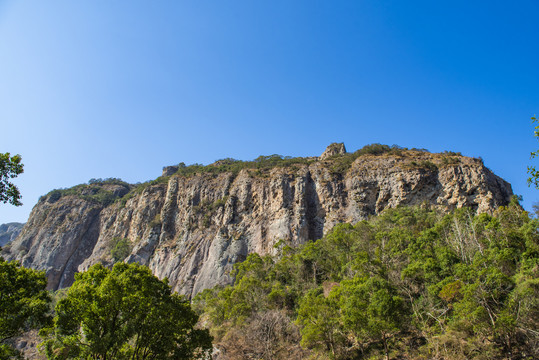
24 304
123 313
411 283
97 191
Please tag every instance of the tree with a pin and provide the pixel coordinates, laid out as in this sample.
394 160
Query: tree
10 167
534 173
124 313
319 320
24 303
372 309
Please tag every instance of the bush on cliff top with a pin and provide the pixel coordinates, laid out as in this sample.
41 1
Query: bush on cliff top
95 191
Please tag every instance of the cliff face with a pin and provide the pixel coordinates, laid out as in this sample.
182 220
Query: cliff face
192 229
9 232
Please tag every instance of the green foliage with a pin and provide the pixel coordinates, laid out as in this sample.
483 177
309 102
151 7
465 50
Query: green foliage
534 173
10 167
229 165
97 191
452 153
320 322
450 160
120 248
339 164
123 313
411 282
24 303
107 181
424 164
372 309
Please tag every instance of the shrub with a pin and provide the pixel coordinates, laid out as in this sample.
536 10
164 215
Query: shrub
229 165
156 221
120 249
339 164
95 191
424 164
449 160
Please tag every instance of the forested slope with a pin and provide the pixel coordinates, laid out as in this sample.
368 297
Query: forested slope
411 283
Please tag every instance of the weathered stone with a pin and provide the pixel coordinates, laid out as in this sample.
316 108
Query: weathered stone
9 232
332 150
193 229
169 170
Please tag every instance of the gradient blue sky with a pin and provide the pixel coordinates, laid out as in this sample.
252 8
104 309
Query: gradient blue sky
104 88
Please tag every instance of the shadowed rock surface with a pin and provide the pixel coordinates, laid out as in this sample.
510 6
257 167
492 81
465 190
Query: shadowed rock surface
9 231
193 228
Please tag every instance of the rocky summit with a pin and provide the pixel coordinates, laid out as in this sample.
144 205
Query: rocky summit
192 224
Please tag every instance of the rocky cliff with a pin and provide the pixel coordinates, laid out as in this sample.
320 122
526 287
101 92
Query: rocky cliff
9 232
192 224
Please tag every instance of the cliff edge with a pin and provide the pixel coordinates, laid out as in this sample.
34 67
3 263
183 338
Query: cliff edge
192 224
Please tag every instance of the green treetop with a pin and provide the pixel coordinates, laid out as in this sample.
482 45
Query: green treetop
124 313
24 303
10 167
534 173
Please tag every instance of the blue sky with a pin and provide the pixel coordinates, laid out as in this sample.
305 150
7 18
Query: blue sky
101 88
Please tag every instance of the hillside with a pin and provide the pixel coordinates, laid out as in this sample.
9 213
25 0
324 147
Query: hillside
195 222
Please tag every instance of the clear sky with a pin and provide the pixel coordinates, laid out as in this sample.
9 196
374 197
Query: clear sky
100 88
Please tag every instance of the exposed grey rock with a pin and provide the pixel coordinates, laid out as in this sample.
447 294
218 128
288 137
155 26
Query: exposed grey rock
332 150
9 232
193 229
169 170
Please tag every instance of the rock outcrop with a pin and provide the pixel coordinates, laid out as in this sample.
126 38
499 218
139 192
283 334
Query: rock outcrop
193 228
9 231
333 150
